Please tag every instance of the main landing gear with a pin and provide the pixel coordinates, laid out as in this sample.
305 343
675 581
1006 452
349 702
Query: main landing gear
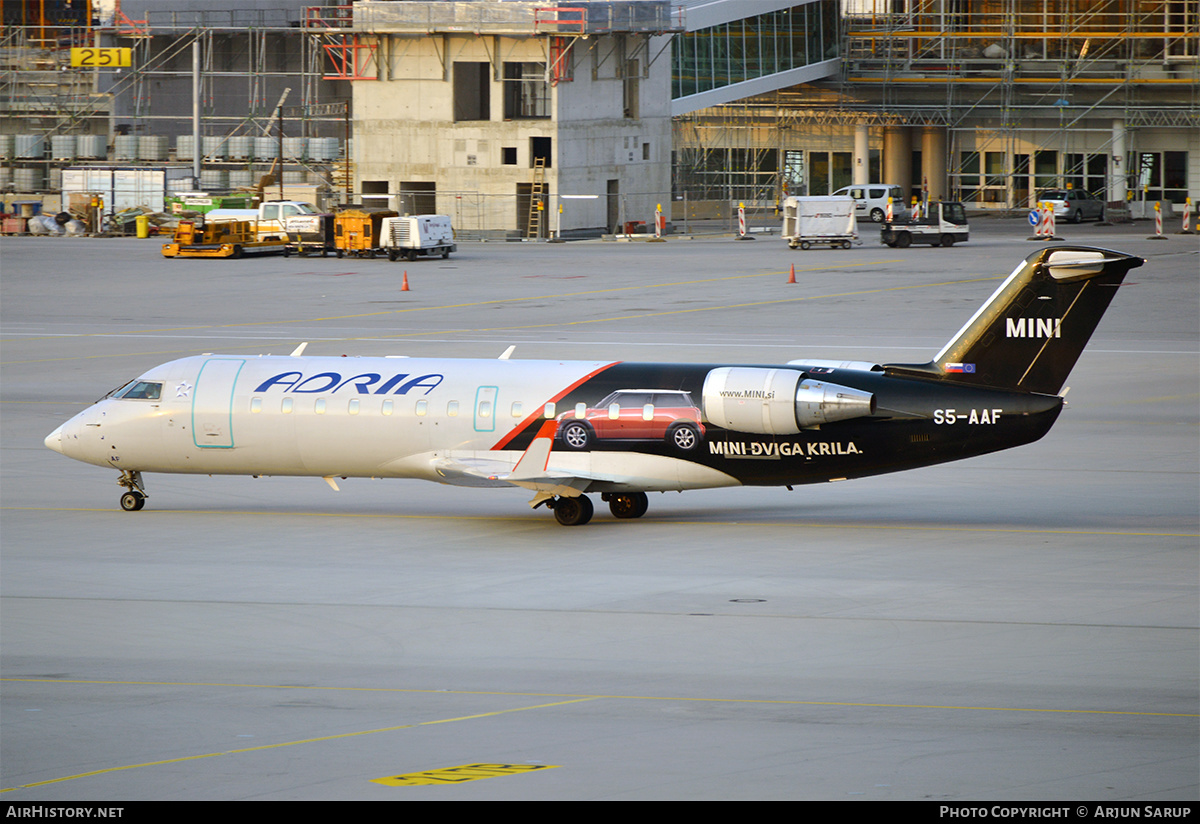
626 504
578 511
135 498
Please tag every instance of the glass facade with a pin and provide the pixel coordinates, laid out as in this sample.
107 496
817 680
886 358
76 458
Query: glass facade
754 47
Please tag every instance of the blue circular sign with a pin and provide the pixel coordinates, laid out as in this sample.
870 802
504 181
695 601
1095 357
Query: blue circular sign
1033 218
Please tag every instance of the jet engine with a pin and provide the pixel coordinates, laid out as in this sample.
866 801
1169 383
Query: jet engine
778 401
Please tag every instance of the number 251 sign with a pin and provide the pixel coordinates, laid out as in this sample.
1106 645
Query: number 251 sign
102 58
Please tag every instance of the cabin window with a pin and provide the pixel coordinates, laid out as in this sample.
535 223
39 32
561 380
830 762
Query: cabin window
352 407
516 409
485 409
548 411
387 407
614 411
319 406
452 409
648 412
581 410
286 406
256 405
422 408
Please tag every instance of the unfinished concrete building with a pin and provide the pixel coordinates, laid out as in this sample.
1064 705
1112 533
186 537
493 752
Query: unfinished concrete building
513 117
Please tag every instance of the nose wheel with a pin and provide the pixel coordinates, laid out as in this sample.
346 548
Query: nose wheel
133 501
135 498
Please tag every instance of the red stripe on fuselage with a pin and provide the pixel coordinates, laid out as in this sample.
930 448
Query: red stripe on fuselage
523 425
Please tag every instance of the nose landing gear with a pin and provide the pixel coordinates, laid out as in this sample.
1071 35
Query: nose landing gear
135 498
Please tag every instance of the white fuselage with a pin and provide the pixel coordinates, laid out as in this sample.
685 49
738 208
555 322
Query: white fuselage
445 420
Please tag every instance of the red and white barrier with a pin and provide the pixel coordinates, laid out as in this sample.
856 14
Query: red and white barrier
741 220
887 215
1187 217
1158 232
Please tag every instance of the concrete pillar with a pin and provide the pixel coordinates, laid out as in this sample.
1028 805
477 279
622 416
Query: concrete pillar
897 158
933 161
862 156
1120 174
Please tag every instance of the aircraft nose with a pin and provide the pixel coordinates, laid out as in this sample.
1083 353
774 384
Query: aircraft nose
54 440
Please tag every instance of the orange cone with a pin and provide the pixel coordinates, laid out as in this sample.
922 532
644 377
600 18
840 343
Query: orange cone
792 274
404 286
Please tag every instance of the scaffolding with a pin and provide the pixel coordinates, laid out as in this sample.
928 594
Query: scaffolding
247 58
1026 92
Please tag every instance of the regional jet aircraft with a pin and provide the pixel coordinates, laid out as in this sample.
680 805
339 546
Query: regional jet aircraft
567 429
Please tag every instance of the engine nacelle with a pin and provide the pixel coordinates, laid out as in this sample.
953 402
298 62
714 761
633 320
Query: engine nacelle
777 401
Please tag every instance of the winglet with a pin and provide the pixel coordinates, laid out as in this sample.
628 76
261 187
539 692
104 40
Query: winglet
536 458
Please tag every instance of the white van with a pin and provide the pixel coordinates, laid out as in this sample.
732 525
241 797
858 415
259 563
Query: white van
871 201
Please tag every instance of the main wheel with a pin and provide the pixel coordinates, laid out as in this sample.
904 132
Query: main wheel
132 501
412 255
573 511
576 435
683 436
629 505
877 215
805 245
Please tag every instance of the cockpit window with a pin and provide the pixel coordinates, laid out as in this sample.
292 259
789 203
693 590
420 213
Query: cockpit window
140 390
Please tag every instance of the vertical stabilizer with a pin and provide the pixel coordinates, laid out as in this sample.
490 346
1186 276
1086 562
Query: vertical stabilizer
1031 332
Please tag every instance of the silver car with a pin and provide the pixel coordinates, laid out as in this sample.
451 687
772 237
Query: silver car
1073 205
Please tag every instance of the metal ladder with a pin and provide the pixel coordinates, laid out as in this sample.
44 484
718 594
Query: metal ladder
537 194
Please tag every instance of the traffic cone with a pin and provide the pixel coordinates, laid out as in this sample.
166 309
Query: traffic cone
792 274
404 286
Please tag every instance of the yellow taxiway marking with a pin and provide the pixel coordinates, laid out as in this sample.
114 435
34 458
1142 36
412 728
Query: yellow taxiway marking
409 335
564 700
645 522
279 745
493 301
458 775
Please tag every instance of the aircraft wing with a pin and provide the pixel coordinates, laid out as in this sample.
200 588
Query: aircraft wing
532 469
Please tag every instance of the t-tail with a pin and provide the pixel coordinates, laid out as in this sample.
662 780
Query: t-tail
1030 333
